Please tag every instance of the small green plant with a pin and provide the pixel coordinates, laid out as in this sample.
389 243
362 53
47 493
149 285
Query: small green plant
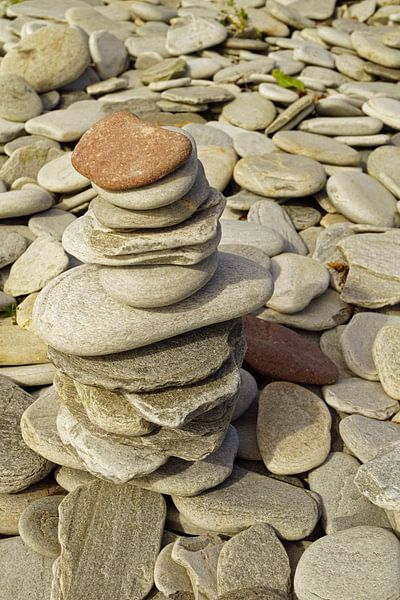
286 81
235 18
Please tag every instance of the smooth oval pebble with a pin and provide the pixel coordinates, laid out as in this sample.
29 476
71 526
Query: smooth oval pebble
293 428
356 396
250 110
24 202
362 199
279 175
385 109
59 175
317 147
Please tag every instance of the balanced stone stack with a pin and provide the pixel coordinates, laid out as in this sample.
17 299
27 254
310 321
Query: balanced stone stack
147 337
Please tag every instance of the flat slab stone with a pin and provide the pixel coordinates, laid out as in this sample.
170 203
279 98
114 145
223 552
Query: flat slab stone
366 437
185 478
279 175
19 101
38 526
317 147
357 396
250 110
252 234
343 505
293 428
110 537
247 498
27 201
385 352
53 222
170 577
238 287
277 352
59 176
378 479
254 557
24 573
192 34
181 360
49 58
12 246
342 566
20 467
121 152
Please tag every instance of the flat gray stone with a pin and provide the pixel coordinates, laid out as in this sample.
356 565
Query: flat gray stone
343 505
317 147
241 71
24 202
366 437
51 222
181 360
270 214
253 234
357 341
134 286
24 573
185 478
378 479
322 313
30 375
48 58
381 165
90 20
218 163
245 499
19 101
205 135
27 162
342 566
330 345
250 252
286 448
228 295
334 126
108 53
39 431
169 576
370 45
297 281
385 353
12 245
192 34
20 467
38 526
357 396
250 110
110 537
385 109
198 94
279 175
9 130
254 557
59 176
371 202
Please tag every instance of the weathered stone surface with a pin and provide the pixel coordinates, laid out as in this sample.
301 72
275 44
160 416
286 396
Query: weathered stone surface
246 427
239 286
39 431
379 479
12 505
181 360
293 428
19 101
254 593
121 152
24 573
330 345
366 437
245 499
38 526
254 557
385 352
251 235
192 34
277 352
343 505
12 245
185 478
48 58
355 395
110 537
70 479
27 162
169 576
341 566
199 556
20 467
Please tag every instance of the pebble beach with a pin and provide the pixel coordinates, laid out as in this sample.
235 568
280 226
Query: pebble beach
199 300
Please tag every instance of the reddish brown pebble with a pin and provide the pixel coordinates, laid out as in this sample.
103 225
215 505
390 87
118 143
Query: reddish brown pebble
122 152
277 352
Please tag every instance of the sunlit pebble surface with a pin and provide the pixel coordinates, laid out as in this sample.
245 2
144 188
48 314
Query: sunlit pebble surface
294 108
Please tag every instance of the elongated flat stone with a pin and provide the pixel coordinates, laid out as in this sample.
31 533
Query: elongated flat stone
366 437
103 326
110 537
181 360
357 396
245 499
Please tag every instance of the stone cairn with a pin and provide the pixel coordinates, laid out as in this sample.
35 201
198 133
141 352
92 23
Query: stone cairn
148 342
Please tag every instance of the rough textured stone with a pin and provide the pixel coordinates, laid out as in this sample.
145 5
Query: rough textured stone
192 34
245 499
38 526
254 557
379 478
239 286
181 360
12 245
19 101
343 506
357 396
276 352
20 467
293 428
342 566
110 537
385 352
121 152
48 58
366 437
169 576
